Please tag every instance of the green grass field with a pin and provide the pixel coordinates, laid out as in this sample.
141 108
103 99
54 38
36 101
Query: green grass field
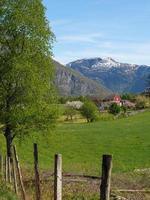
83 144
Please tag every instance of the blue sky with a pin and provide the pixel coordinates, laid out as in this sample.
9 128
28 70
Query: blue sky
100 28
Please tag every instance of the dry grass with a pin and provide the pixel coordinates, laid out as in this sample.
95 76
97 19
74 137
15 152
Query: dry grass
86 189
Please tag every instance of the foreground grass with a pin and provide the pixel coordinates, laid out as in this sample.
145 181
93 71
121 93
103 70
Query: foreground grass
6 193
82 145
89 190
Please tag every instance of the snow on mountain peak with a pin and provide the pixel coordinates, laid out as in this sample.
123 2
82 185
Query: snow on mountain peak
111 62
109 59
117 76
98 63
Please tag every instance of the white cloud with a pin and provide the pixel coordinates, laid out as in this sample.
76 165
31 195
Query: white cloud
136 53
91 38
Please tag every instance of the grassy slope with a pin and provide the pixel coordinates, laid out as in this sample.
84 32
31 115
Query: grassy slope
83 144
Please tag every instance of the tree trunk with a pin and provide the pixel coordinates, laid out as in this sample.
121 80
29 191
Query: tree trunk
9 139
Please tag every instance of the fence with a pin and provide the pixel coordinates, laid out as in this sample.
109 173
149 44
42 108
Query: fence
11 173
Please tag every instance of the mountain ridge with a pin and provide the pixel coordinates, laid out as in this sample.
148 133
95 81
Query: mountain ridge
116 76
71 83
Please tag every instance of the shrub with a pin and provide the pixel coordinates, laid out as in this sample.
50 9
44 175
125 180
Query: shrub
89 111
114 109
128 96
124 109
142 102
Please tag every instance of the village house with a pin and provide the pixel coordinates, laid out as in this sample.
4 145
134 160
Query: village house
114 98
128 104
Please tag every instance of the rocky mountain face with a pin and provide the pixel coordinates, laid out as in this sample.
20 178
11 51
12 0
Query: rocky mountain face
71 83
118 77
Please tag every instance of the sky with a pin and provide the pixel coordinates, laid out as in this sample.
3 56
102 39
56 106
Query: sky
100 28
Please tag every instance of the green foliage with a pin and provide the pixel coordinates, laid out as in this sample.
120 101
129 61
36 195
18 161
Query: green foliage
89 111
124 109
114 109
27 94
142 102
128 96
5 193
70 112
62 100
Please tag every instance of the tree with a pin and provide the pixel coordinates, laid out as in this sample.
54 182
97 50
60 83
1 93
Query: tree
89 111
70 112
114 109
26 72
128 96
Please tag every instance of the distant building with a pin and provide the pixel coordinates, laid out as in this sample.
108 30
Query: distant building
114 98
128 104
105 104
74 104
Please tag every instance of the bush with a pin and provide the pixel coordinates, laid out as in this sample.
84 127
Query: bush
89 111
142 102
114 109
124 109
128 96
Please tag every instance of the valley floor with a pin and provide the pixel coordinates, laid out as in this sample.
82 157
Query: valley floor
83 144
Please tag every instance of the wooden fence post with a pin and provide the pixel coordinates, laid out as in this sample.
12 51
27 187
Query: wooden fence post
2 167
6 169
14 176
106 177
36 171
19 174
58 177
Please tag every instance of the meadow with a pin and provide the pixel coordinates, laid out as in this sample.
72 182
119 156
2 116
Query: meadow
82 145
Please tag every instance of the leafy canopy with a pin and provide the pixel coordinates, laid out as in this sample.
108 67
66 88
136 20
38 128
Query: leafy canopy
26 71
114 109
89 111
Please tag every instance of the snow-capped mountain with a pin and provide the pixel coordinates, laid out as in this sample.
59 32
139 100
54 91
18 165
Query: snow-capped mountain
118 77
